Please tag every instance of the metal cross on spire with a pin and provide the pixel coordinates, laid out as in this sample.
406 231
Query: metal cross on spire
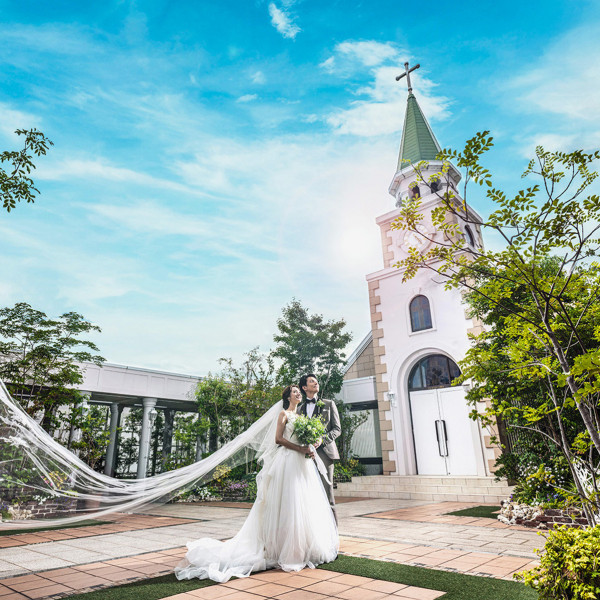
406 74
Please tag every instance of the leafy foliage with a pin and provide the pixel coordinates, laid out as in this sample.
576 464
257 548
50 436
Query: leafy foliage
94 437
308 430
540 293
345 470
42 358
568 565
233 399
308 343
16 184
350 421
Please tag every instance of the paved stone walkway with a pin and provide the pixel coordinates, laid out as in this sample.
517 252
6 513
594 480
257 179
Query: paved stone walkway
118 523
404 531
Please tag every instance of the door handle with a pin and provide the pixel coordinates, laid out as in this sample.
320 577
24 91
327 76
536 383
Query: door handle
442 437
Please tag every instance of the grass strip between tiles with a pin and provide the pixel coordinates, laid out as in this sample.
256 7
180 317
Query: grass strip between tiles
456 585
146 589
485 512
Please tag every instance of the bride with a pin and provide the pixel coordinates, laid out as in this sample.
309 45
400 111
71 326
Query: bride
290 526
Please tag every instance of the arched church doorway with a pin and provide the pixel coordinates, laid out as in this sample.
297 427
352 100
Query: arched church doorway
440 419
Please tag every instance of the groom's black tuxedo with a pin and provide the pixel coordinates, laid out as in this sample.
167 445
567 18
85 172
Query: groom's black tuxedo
328 413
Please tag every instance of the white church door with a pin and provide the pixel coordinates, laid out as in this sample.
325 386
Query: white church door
440 419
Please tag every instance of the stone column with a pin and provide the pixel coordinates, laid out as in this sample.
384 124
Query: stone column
111 451
149 404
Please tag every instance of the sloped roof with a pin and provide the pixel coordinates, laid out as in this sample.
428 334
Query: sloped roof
418 142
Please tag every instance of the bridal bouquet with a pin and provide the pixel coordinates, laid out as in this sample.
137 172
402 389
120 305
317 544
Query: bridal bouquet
308 430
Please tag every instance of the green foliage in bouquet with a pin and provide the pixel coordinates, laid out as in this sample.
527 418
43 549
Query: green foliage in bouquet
308 430
568 565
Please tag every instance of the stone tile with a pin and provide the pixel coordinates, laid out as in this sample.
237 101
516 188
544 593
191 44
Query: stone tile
302 595
388 587
319 574
24 578
241 595
245 583
270 590
50 590
274 576
351 579
328 588
358 593
211 592
298 580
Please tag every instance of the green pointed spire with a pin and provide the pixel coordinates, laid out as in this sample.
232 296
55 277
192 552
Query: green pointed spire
418 142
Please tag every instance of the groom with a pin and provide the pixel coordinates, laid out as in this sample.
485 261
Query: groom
313 406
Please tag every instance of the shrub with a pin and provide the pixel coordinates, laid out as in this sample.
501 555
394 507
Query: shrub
568 566
345 472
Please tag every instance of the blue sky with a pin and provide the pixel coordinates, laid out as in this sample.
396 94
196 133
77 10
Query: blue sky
213 160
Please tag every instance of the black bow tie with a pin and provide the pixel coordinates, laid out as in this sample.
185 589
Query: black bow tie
313 401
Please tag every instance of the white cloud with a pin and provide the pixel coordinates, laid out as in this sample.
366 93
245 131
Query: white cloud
329 64
566 80
369 53
381 110
283 22
67 169
564 142
350 56
13 119
258 78
247 98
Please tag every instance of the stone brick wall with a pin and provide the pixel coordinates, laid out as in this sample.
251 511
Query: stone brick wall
51 508
364 365
383 405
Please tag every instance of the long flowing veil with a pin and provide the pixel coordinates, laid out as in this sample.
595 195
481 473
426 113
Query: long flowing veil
34 465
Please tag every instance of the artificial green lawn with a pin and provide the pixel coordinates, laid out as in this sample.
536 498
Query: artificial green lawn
487 512
86 523
456 585
148 589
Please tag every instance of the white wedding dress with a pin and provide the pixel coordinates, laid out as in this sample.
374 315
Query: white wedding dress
291 525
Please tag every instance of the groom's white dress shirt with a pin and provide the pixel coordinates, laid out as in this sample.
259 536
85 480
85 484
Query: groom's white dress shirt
310 407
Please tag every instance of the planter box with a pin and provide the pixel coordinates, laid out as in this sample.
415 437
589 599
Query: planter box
537 517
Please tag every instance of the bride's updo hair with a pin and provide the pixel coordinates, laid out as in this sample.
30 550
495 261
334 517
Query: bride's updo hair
285 395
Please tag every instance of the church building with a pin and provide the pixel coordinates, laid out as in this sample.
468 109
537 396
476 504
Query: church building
429 447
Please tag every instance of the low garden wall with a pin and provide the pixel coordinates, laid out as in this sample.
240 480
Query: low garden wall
513 513
40 510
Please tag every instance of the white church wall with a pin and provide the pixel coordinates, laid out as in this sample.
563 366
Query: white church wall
403 348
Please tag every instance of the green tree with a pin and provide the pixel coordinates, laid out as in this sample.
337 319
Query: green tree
521 397
42 358
234 398
95 435
214 397
15 183
552 218
307 343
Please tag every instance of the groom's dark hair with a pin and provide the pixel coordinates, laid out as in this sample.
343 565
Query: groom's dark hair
304 381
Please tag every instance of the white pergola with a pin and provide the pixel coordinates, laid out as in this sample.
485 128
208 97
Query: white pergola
120 386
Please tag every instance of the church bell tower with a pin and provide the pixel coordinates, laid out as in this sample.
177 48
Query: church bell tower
420 329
